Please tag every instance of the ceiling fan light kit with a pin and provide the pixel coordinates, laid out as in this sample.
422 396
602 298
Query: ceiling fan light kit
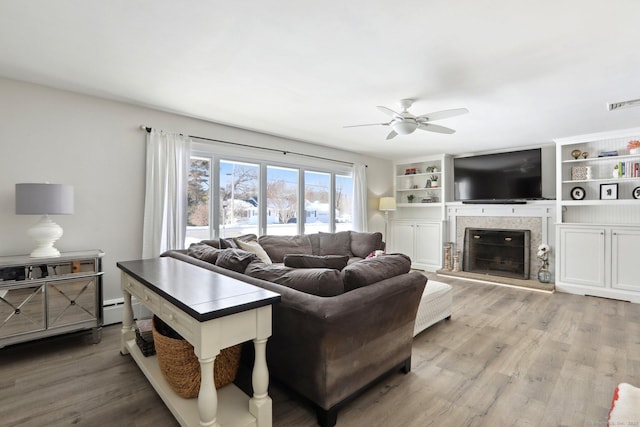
405 123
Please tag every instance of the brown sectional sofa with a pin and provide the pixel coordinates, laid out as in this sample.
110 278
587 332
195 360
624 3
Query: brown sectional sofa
335 332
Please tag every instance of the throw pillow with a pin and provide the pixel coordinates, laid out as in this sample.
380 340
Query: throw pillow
254 247
204 252
372 270
277 246
230 242
235 259
335 243
337 262
363 244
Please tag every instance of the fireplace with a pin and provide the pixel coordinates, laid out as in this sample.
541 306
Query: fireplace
497 251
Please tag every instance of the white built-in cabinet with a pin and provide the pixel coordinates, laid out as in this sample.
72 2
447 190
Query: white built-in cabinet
420 240
419 221
598 233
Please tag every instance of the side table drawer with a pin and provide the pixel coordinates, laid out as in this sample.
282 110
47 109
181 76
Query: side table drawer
132 286
182 323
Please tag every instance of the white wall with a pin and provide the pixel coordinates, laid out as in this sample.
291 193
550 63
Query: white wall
96 145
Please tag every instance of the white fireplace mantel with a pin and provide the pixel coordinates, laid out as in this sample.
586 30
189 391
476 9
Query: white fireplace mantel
537 216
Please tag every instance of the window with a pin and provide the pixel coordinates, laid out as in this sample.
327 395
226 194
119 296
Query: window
344 203
198 193
238 193
317 207
282 201
229 196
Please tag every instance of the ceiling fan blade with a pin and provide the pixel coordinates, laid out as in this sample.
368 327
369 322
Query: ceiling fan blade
369 124
389 112
392 135
444 114
435 128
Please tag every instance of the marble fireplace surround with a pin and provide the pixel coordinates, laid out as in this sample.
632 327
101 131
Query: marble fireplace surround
538 217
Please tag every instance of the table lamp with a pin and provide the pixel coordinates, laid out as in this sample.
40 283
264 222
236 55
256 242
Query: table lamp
44 199
387 204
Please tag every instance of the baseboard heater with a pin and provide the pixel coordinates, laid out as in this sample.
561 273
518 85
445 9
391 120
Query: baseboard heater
112 310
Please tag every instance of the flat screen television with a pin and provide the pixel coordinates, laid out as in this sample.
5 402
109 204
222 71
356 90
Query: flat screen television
515 175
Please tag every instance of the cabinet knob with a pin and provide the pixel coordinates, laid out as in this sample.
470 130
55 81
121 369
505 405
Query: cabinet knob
172 317
146 298
508 239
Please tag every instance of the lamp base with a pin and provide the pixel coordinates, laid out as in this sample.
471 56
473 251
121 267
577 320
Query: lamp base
45 233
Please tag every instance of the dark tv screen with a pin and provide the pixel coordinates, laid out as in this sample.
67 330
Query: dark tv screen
502 176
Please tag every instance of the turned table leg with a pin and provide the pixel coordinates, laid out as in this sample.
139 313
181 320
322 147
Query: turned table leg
208 396
127 323
260 403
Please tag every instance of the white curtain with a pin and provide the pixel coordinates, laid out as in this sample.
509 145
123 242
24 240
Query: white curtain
360 197
165 204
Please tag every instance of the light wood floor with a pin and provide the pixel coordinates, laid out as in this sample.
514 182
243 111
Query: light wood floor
508 357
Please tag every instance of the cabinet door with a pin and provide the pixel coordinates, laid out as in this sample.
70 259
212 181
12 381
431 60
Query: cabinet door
21 310
582 256
625 264
428 248
71 301
402 238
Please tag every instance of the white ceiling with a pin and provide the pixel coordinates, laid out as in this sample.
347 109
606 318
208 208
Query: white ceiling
528 71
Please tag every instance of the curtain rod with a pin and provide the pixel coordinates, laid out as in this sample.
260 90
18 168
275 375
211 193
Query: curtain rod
238 144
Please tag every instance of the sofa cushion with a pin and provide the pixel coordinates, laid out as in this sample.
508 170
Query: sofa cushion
204 252
337 262
335 243
254 247
322 282
372 270
362 244
277 246
235 259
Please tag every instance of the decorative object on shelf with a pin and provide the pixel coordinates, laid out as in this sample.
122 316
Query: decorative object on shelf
634 147
429 169
585 154
427 200
544 275
44 199
576 154
428 184
456 261
578 193
410 171
636 193
580 173
612 153
410 198
434 181
387 204
608 191
447 256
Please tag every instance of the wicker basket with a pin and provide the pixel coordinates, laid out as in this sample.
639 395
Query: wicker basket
180 366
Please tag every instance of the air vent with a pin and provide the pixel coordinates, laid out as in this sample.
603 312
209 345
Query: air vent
623 104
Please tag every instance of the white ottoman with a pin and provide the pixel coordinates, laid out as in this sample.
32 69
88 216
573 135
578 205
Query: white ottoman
435 305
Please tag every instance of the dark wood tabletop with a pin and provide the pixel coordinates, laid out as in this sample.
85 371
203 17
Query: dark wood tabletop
201 293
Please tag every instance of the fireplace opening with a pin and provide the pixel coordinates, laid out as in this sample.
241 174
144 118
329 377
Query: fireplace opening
495 251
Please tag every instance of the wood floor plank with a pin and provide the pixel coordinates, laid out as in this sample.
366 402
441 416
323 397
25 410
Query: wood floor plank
507 357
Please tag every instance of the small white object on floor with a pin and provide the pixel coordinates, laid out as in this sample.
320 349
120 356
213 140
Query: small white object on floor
625 407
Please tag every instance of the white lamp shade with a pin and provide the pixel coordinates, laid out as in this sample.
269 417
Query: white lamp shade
404 127
44 199
387 204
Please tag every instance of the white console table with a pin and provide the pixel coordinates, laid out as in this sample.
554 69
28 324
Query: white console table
211 311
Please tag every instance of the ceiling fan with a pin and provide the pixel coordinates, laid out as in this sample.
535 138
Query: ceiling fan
404 123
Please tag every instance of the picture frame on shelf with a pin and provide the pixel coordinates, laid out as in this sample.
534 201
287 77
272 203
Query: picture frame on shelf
608 191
